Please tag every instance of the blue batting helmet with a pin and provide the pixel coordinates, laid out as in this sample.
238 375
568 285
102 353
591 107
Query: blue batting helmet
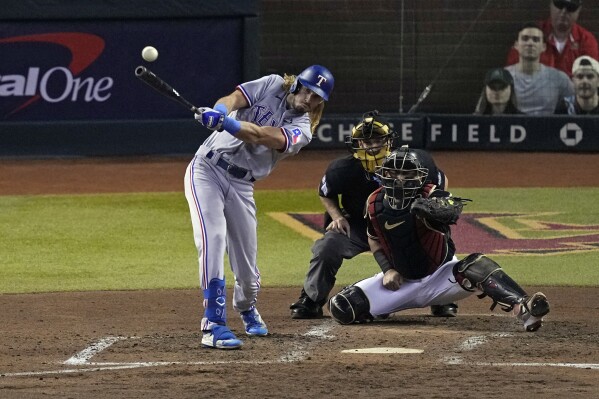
316 78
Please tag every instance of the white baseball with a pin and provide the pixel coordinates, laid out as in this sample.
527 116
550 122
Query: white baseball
149 53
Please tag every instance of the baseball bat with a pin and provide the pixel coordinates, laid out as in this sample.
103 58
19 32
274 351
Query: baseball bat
152 80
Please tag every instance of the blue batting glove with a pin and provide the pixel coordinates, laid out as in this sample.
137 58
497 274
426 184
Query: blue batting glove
210 118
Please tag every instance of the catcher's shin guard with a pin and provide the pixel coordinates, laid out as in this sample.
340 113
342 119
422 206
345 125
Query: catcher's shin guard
476 271
350 305
215 302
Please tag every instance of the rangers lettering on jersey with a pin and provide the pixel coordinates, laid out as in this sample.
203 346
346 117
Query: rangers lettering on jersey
262 115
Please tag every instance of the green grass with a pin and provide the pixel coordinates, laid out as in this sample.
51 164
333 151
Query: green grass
144 241
95 242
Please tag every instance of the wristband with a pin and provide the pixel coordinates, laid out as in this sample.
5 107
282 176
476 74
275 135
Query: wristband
231 125
382 260
220 107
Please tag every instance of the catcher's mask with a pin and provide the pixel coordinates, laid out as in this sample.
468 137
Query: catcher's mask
402 175
371 140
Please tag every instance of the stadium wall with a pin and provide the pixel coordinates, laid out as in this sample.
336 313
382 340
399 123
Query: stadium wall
91 104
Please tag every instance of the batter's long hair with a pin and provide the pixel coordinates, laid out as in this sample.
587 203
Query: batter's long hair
315 115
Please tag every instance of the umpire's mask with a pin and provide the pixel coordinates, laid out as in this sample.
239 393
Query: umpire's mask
371 140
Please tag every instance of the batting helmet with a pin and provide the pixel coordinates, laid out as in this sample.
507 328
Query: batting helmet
371 140
402 175
316 78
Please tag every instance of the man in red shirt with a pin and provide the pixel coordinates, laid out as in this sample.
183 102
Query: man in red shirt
566 40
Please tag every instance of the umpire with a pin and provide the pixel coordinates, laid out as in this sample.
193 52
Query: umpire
350 180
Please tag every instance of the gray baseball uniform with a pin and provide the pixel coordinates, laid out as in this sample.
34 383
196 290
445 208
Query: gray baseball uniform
219 188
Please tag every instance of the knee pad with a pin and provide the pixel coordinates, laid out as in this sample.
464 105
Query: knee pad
473 270
215 301
350 305
476 271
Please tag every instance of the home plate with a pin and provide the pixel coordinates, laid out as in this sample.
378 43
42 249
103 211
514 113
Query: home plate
383 350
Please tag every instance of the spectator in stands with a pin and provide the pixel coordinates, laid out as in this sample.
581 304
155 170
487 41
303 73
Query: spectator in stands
537 86
566 40
498 96
585 75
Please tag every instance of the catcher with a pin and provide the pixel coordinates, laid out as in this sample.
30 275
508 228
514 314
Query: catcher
343 191
410 237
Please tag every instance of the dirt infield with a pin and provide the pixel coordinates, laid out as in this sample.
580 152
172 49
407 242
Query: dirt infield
115 175
145 344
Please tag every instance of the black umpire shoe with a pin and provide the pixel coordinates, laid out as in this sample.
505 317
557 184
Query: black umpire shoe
305 308
450 310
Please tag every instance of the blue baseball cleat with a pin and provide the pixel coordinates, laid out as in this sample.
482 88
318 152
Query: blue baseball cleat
220 337
254 325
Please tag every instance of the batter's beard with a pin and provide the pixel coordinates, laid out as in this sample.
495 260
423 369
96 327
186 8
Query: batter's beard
302 108
295 105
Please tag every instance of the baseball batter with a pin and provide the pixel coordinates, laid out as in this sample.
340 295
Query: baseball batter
256 126
410 237
343 191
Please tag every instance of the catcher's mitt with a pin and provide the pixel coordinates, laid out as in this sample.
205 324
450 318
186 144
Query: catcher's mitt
444 210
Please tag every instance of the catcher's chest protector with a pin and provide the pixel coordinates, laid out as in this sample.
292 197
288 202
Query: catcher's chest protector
415 251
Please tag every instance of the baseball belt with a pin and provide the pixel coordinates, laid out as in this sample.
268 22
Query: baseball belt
234 170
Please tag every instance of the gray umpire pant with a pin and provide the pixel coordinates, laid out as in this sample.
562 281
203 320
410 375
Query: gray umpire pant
328 254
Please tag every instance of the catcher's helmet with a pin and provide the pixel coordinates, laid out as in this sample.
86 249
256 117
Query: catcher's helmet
402 175
371 140
316 78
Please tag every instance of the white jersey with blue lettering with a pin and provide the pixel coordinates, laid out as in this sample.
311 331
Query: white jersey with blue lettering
267 107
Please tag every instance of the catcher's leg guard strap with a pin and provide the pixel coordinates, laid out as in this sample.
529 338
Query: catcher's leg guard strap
476 271
350 305
215 301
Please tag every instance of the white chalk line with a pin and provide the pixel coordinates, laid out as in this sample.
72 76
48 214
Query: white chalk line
100 366
458 360
299 353
321 331
124 366
83 357
472 343
594 366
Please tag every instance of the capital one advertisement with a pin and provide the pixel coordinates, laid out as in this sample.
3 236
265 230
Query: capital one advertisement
57 71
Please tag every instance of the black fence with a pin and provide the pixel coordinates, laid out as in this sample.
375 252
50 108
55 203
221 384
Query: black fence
469 132
183 136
